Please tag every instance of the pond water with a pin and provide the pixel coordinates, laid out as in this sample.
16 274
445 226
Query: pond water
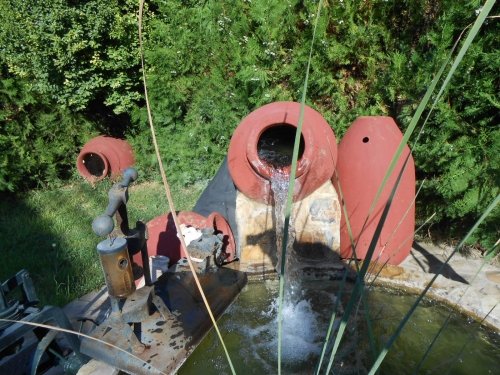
249 329
275 145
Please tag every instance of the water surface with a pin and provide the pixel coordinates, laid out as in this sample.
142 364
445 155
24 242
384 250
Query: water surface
249 329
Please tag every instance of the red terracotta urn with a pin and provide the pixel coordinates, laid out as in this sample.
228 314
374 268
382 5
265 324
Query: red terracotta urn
263 143
163 240
104 156
364 155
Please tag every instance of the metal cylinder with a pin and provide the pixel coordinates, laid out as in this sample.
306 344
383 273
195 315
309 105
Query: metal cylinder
117 267
158 264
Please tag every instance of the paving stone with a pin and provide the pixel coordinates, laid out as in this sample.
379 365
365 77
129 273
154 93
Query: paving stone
464 283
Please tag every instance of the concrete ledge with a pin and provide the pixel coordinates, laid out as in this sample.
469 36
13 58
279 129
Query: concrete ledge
457 285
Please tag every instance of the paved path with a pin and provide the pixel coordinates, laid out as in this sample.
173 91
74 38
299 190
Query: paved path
459 283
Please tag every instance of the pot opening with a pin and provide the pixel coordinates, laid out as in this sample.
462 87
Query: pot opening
94 164
275 145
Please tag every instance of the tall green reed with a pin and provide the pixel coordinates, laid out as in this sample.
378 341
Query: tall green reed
291 184
358 290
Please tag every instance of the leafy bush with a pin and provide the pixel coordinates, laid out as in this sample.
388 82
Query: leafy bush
210 63
39 141
64 65
459 150
74 53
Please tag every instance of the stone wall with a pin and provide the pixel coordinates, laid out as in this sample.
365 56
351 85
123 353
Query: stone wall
316 221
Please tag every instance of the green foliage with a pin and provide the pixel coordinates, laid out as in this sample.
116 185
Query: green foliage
39 141
73 52
210 63
213 63
459 151
59 61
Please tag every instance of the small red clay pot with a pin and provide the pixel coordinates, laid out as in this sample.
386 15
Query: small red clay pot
163 240
364 156
104 156
251 174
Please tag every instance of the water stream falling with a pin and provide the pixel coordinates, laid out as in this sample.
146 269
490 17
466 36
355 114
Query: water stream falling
300 323
302 328
279 187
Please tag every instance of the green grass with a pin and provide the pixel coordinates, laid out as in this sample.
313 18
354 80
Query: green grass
48 232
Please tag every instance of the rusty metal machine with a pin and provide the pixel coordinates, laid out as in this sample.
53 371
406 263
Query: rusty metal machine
28 349
150 328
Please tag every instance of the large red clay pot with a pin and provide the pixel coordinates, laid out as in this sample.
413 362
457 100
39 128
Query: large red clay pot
364 156
163 240
104 156
276 124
